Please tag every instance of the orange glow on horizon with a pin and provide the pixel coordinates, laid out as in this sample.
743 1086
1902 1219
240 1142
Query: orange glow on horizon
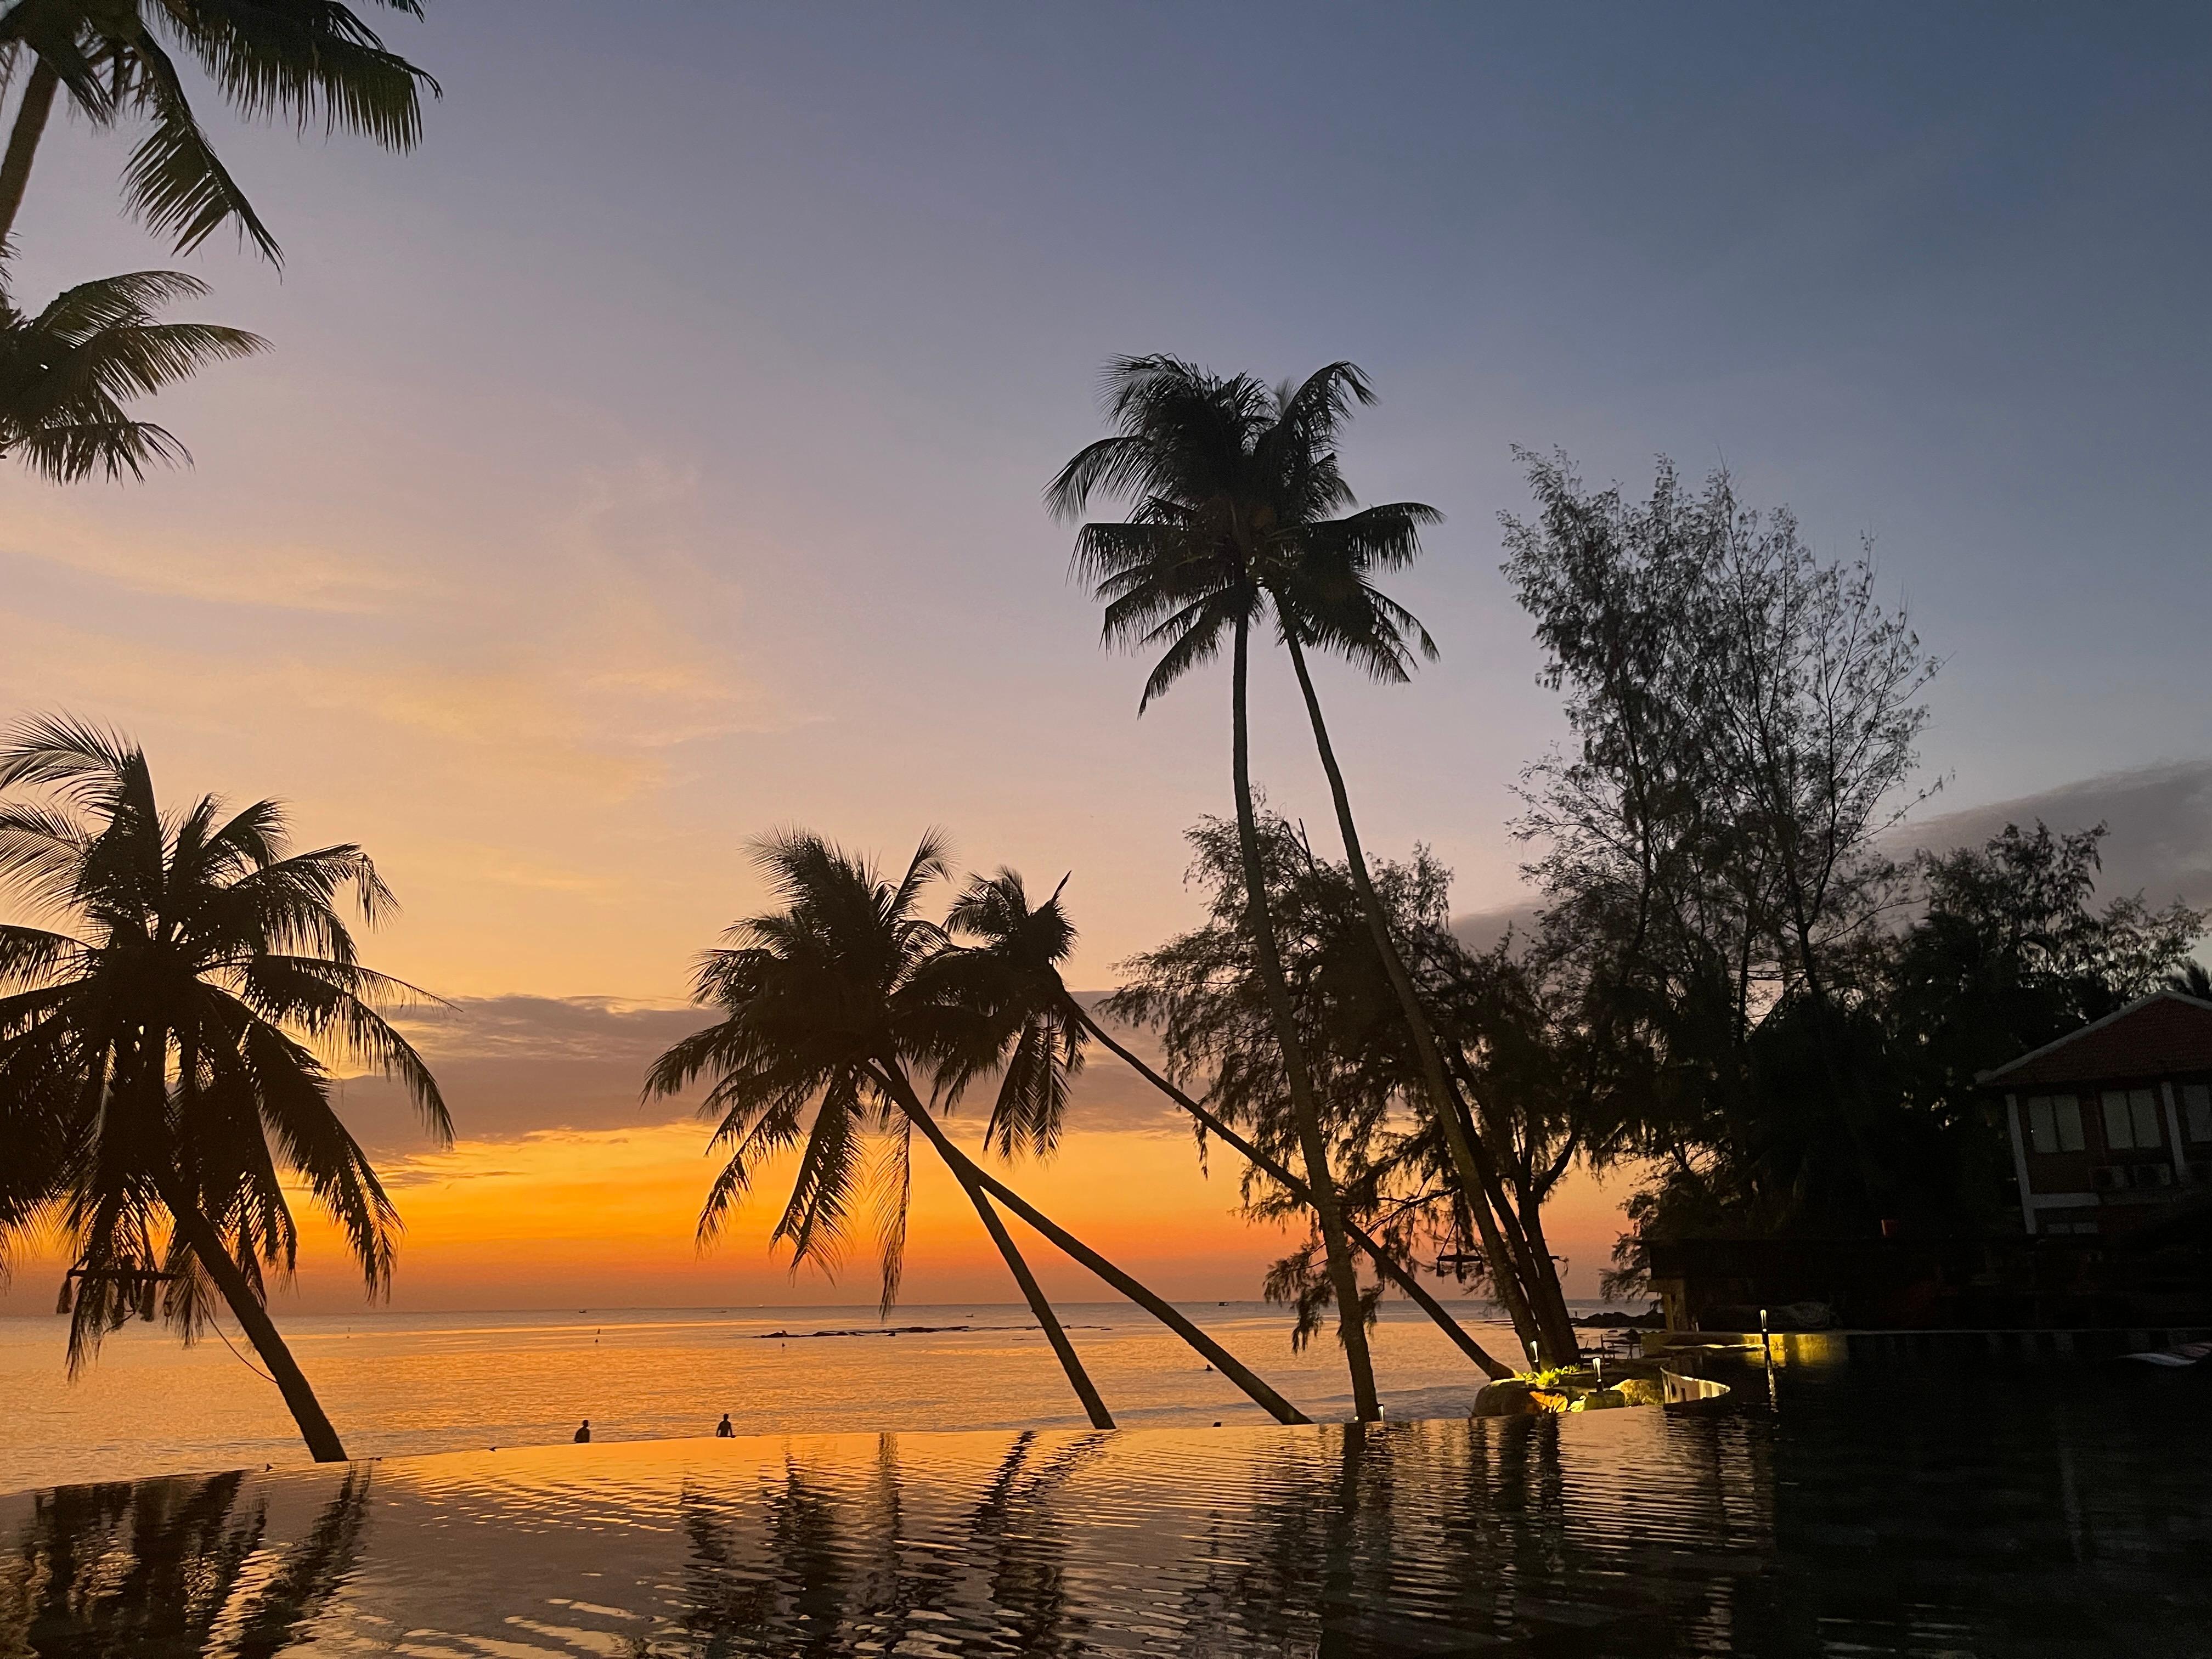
608 1218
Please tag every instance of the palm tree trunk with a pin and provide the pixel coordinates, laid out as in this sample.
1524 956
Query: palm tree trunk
1505 1277
23 143
1305 1108
1532 1223
1513 1267
253 1319
1515 1263
1079 1379
966 1168
1557 1334
1385 1263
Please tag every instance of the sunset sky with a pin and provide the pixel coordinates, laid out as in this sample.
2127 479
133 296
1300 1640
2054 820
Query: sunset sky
654 459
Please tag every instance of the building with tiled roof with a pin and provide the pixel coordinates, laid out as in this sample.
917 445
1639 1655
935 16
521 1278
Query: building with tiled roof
2113 1121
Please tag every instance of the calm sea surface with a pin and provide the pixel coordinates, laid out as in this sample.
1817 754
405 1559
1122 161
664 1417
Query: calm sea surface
1971 1511
396 1385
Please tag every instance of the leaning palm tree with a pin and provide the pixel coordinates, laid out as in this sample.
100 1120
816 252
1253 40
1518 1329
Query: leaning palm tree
159 1064
1028 943
1241 512
1325 600
1230 490
308 61
832 1006
67 373
831 1002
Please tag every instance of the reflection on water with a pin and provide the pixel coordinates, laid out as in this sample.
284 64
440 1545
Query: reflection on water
180 1567
1877 1511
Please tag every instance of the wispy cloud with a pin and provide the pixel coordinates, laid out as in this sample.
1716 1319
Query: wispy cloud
581 658
169 561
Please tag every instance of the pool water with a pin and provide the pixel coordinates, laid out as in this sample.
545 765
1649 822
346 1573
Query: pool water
1858 1508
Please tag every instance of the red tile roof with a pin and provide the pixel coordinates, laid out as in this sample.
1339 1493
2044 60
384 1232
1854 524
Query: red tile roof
2165 1034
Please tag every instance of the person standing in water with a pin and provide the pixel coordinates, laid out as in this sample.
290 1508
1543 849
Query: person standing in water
723 1431
584 1434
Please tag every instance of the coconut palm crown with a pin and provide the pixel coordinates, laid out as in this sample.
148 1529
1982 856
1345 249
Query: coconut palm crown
1235 492
166 1044
68 372
827 1004
1011 955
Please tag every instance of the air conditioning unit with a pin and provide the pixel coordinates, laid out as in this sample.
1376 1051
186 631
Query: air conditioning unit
2110 1177
2154 1174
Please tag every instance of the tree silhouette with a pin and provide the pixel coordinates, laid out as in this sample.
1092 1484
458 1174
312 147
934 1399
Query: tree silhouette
1234 489
157 1050
303 60
1029 942
831 1006
68 372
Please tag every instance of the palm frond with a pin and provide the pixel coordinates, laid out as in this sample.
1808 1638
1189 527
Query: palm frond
66 374
299 59
78 314
31 956
890 1186
830 1166
84 763
165 1050
66 452
53 30
174 179
323 1001
42 852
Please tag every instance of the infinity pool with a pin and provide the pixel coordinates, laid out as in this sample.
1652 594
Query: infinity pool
1862 1510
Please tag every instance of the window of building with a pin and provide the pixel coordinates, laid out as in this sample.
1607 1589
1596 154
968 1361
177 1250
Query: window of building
2197 1109
2054 1122
2131 1119
2143 1104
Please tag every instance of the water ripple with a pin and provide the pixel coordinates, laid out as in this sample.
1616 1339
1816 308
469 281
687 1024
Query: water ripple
1876 1512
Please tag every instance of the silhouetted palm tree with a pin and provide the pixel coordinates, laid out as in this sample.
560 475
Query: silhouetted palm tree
1325 600
67 373
1029 943
1018 949
308 61
829 1003
1238 492
1234 487
832 1004
157 1047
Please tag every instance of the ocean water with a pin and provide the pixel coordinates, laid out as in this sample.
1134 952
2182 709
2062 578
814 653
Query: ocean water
400 1384
1993 1510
